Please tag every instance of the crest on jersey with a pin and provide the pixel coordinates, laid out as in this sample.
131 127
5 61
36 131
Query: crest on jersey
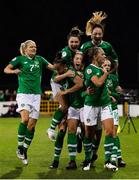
64 54
89 71
36 62
88 120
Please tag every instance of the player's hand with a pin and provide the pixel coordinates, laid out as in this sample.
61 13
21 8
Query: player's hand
119 90
105 70
60 93
70 73
16 71
113 99
90 90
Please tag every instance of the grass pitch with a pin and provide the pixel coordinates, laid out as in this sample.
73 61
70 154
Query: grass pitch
40 155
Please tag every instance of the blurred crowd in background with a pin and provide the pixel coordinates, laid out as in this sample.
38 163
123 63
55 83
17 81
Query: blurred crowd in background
7 95
130 95
10 95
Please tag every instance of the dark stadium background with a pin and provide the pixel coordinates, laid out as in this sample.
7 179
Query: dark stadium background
48 23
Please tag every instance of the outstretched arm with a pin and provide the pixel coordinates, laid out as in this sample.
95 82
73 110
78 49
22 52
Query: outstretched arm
60 77
50 67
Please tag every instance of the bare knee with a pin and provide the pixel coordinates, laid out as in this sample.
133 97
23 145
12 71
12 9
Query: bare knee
109 132
31 125
24 116
72 126
64 109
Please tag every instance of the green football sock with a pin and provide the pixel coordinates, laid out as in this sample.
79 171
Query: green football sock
119 148
59 144
114 151
28 138
87 148
95 145
21 133
72 145
108 144
58 116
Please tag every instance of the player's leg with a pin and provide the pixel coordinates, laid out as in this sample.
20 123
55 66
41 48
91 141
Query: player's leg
59 114
24 110
90 120
73 118
108 124
59 143
80 131
21 132
33 117
120 161
96 140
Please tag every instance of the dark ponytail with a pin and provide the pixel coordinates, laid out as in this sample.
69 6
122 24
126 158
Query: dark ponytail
75 32
58 58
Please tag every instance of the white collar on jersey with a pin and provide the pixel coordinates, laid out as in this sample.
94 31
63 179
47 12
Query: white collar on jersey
95 66
29 57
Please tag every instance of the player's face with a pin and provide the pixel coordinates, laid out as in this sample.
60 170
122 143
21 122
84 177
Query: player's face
97 35
31 49
73 43
107 65
100 57
60 68
77 61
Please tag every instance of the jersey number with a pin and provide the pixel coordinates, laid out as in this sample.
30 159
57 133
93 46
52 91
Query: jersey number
31 67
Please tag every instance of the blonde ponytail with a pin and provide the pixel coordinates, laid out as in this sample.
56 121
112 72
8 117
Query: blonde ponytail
23 46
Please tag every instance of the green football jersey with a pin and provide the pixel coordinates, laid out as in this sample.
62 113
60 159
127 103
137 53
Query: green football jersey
107 47
76 98
29 80
100 97
67 55
112 83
